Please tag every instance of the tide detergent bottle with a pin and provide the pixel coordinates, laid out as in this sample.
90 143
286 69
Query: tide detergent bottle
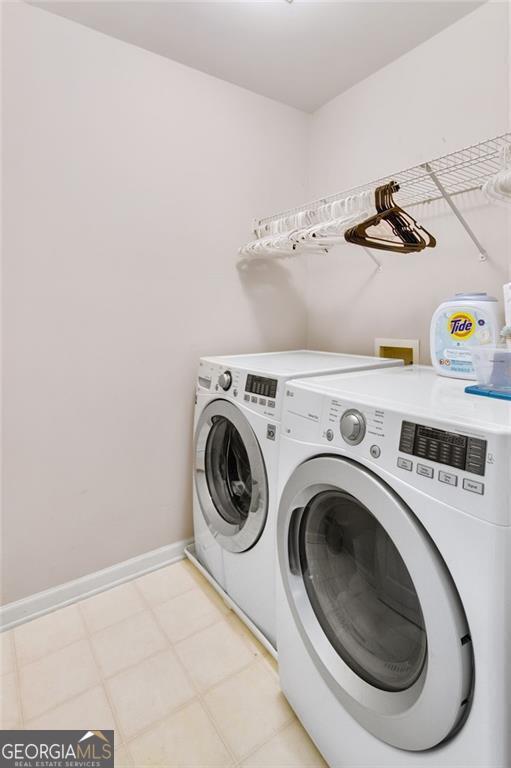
460 323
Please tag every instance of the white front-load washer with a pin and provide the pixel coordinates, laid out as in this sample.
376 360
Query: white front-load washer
237 433
393 585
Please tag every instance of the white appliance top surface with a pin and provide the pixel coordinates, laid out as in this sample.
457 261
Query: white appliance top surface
416 390
300 362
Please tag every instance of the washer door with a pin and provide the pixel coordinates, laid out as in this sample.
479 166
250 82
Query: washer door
374 603
230 476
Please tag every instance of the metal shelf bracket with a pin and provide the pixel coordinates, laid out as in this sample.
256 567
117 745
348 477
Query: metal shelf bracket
483 253
373 257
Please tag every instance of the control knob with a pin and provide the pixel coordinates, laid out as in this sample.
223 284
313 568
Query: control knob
353 426
225 380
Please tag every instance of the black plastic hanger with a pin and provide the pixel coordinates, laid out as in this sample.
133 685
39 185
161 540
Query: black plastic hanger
411 236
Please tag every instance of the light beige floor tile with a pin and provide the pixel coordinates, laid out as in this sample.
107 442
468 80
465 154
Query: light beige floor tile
6 652
186 738
123 758
89 710
40 637
147 692
213 654
111 606
127 642
59 676
290 748
10 713
166 583
248 708
186 614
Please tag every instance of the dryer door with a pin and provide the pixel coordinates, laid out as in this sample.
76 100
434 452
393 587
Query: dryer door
374 603
230 476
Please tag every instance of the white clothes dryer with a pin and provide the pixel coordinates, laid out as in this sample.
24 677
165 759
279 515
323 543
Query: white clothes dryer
237 433
393 588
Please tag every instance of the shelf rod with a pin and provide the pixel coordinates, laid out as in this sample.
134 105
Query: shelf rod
373 257
483 253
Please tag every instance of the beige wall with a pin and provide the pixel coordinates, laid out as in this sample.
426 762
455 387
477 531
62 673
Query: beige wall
129 183
450 92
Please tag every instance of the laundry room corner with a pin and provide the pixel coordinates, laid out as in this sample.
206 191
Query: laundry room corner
451 91
256 384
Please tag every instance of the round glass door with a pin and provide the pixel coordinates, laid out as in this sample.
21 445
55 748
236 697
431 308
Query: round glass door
361 591
373 603
230 476
228 472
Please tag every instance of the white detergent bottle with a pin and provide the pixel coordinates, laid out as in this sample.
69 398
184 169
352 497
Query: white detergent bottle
506 331
460 323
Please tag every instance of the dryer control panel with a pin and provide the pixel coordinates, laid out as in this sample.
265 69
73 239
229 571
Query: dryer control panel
442 447
462 466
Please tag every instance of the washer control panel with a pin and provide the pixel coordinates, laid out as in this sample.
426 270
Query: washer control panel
256 392
260 385
225 380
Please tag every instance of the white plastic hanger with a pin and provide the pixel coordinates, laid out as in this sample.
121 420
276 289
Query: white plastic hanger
498 188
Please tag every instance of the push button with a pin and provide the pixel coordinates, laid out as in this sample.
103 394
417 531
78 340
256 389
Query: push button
405 464
271 403
448 478
375 451
473 486
424 470
246 398
330 435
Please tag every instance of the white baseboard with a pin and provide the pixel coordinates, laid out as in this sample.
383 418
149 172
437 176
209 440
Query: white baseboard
36 605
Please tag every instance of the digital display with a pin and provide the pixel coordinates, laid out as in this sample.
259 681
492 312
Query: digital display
460 451
259 385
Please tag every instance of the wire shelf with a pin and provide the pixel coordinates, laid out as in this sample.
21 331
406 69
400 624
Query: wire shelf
445 177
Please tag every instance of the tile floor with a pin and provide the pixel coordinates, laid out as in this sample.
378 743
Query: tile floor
165 663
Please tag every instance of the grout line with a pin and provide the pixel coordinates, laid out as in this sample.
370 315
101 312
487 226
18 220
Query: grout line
104 687
274 731
148 602
60 647
200 697
109 677
88 629
154 608
156 723
281 729
17 674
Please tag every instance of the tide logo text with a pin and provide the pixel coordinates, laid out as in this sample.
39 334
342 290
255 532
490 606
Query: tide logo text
461 325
